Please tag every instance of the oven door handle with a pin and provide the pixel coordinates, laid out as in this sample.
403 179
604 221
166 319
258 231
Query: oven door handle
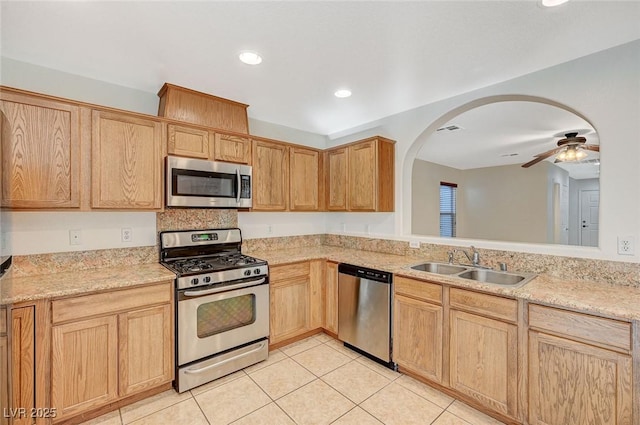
224 288
211 366
239 185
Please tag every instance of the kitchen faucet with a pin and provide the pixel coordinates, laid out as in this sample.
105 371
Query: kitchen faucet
474 257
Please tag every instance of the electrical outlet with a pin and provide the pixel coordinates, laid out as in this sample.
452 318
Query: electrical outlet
269 229
626 245
75 237
414 244
367 229
126 234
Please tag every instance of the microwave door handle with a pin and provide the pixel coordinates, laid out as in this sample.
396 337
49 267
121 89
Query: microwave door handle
239 183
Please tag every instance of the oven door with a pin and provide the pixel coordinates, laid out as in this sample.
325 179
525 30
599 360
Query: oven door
199 183
211 321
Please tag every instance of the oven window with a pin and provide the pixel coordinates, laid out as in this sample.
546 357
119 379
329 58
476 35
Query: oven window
223 315
195 183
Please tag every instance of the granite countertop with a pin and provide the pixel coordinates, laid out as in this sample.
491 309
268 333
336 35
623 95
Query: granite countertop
34 287
599 298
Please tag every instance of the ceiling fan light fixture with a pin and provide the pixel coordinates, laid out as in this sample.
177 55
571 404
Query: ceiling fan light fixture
571 154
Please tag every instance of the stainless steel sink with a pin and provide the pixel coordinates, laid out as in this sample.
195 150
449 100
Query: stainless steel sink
496 277
439 268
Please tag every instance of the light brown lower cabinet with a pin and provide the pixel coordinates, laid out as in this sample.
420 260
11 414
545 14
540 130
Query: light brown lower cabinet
295 299
331 298
22 363
418 337
484 360
582 374
108 346
84 369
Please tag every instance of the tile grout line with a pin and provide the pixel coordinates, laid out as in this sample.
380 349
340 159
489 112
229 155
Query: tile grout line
200 408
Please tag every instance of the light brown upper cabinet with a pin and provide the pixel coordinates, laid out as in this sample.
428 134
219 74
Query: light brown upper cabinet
336 173
360 176
370 180
270 176
126 162
40 152
231 148
194 107
305 175
187 141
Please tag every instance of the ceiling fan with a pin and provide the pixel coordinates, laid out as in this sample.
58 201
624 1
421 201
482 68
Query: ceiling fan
571 148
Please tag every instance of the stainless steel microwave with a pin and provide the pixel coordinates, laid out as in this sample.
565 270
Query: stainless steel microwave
207 184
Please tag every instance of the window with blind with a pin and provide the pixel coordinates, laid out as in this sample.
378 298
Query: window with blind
448 209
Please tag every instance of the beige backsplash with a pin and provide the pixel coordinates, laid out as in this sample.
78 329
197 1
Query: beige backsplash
185 219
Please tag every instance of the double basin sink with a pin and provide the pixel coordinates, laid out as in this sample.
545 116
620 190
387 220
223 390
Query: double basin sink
506 279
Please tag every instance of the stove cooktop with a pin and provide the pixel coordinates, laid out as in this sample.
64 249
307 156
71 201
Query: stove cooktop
197 265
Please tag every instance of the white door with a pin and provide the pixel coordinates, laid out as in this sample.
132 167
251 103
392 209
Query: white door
589 217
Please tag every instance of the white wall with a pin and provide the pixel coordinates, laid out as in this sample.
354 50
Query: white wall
604 88
45 232
425 192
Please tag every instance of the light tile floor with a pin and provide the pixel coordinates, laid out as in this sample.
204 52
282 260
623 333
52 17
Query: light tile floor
314 381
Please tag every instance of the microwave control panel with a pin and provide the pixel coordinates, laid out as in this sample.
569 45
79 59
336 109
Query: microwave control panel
245 187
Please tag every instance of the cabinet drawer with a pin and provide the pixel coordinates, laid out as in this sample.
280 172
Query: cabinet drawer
488 305
288 271
418 289
109 302
593 329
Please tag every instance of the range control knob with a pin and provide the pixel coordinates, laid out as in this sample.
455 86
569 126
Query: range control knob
247 272
206 279
194 281
256 271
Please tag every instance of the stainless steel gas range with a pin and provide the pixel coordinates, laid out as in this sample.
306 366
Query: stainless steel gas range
222 304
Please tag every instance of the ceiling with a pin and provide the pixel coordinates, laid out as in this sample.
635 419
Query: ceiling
394 56
506 133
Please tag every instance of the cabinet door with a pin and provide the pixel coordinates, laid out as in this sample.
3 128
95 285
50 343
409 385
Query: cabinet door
483 360
289 308
4 379
316 280
571 383
362 176
305 179
331 298
187 141
126 162
84 367
270 176
417 344
23 361
146 344
336 184
232 148
40 152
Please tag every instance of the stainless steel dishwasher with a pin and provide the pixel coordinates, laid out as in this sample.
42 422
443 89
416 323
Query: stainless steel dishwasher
364 311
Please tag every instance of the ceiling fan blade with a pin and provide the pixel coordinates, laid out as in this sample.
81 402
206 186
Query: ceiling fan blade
548 153
595 148
538 158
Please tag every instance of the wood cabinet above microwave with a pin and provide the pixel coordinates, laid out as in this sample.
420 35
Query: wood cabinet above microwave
194 107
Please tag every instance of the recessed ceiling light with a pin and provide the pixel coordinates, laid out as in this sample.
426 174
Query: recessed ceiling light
553 3
250 58
342 93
